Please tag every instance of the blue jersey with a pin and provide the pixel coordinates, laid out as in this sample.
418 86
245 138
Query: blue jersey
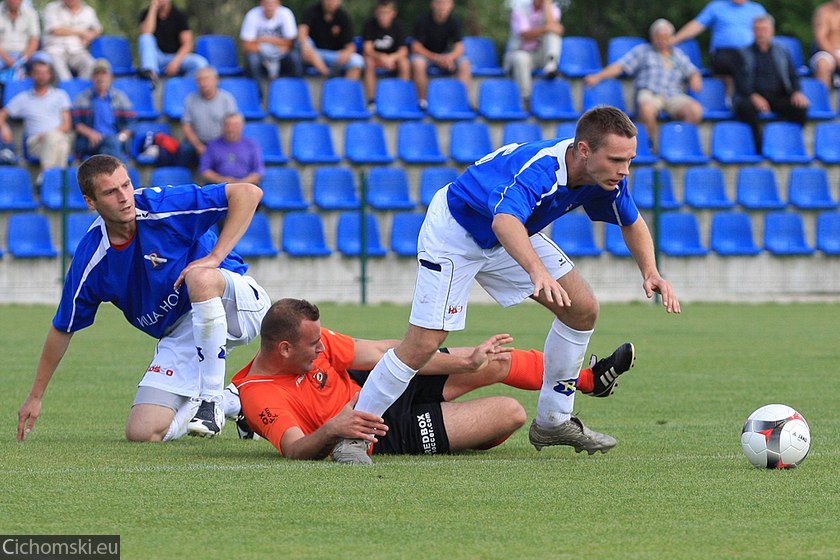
528 181
173 226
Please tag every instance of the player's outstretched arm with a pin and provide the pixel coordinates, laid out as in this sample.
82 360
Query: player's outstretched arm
54 348
639 241
470 359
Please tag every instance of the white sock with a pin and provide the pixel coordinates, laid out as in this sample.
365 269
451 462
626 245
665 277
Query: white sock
230 401
210 336
386 382
183 415
562 357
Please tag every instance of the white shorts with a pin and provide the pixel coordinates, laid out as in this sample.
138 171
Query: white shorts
449 259
174 368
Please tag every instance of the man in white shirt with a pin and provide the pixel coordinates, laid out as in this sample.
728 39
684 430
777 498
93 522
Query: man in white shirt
268 36
20 31
69 28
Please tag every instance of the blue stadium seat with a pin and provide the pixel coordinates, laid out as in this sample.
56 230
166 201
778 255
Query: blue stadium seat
220 51
816 92
14 87
447 98
484 60
139 131
641 186
732 235
364 142
246 91
16 189
289 99
691 48
808 189
794 47
521 131
405 228
575 234
117 50
51 189
712 98
267 136
619 46
342 98
134 175
644 150
828 233
28 236
679 235
256 242
387 189
704 188
74 87
139 92
733 142
334 188
175 91
757 189
614 241
303 235
827 142
679 144
282 190
78 223
551 100
312 143
579 57
784 234
469 141
432 179
498 100
783 143
417 142
605 92
396 99
170 175
565 130
348 235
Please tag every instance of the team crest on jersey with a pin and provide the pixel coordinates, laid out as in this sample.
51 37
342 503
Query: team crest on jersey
566 387
320 377
155 259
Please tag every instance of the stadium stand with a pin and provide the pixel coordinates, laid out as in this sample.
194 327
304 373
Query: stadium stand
77 225
733 142
605 92
432 179
16 190
220 51
783 143
828 233
267 136
827 142
405 228
679 235
447 99
256 242
303 235
396 100
116 50
691 48
246 91
498 100
417 142
644 151
704 188
521 131
481 52
282 190
808 189
575 233
364 142
756 189
175 91
312 143
679 144
28 236
74 86
343 99
51 181
333 188
641 185
552 100
139 92
170 175
784 234
139 132
619 46
732 234
712 97
349 239
820 100
289 99
469 141
387 189
794 48
614 242
579 57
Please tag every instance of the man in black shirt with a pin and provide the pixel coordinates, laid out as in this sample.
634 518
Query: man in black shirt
768 81
438 41
166 42
325 34
383 45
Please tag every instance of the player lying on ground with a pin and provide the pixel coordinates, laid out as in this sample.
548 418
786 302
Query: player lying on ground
300 389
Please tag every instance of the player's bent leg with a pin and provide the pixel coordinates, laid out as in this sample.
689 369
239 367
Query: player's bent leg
605 372
148 422
583 313
480 422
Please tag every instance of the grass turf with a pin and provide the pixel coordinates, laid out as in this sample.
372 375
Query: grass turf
677 486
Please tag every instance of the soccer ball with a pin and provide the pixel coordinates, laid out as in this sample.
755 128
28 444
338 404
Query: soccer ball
776 437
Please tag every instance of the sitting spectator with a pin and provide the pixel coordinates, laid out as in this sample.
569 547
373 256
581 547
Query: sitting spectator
69 28
535 40
768 81
204 111
45 111
102 116
326 42
826 61
268 36
384 46
232 158
730 22
166 42
20 32
660 72
438 41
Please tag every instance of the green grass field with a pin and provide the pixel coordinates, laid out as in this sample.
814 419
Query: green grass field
677 485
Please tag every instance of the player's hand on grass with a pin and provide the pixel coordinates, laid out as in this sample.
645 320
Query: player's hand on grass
663 288
355 424
29 411
491 350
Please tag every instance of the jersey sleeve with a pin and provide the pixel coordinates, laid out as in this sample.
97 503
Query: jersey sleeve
78 305
615 207
192 208
521 196
267 409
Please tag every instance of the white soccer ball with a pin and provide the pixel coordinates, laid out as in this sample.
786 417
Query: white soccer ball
776 437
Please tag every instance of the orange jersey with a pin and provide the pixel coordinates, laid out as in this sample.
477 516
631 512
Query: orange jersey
274 403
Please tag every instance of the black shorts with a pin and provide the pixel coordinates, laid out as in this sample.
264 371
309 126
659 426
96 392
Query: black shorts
726 61
415 420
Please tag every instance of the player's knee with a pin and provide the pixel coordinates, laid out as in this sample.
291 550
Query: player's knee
204 283
514 413
140 434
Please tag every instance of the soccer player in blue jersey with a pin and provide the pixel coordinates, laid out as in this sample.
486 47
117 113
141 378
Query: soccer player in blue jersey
151 253
486 226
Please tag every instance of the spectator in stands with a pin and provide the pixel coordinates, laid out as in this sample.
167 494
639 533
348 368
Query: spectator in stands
20 32
660 73
69 28
439 41
268 36
730 22
826 61
767 81
102 116
45 111
535 40
325 35
204 111
232 158
166 42
384 46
